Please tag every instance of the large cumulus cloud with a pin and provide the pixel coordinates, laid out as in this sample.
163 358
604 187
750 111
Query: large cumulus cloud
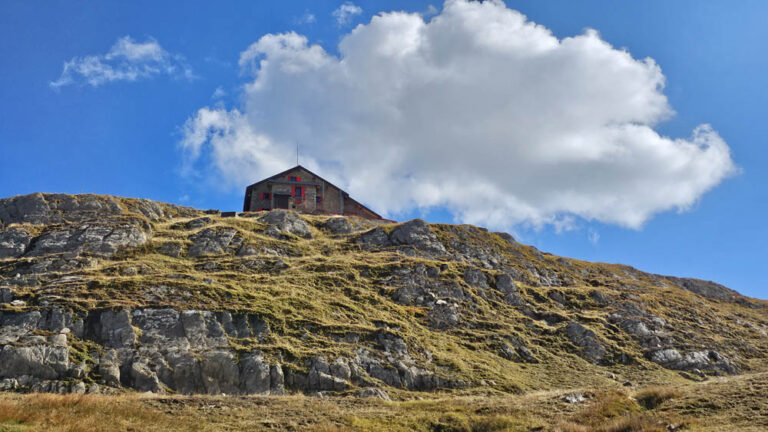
477 110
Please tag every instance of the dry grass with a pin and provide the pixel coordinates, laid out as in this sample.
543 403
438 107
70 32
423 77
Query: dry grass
86 413
652 397
736 403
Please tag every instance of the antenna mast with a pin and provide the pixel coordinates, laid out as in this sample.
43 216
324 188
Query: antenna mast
297 153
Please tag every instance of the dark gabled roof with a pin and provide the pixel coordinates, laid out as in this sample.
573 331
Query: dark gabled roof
281 174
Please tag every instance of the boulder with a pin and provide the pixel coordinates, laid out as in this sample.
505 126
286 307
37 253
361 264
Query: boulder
338 225
417 233
285 222
505 284
211 241
373 392
574 398
375 238
476 278
171 249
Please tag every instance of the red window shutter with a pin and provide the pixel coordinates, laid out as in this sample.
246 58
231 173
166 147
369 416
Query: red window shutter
298 179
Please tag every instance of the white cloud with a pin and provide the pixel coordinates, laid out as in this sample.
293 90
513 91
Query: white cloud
478 110
218 93
127 60
345 12
593 236
306 18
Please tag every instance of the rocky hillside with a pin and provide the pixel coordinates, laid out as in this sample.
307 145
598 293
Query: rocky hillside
102 293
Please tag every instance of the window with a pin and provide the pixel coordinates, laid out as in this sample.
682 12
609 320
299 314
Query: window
265 195
319 199
293 179
297 191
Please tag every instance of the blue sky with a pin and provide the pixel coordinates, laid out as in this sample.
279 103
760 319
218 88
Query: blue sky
123 137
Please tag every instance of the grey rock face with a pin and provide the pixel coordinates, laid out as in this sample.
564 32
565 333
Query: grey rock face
340 369
255 374
112 328
586 339
636 327
220 372
41 208
39 361
417 233
664 356
27 208
420 286
109 368
319 377
98 239
338 225
277 379
143 378
704 360
211 241
13 242
198 223
283 221
705 288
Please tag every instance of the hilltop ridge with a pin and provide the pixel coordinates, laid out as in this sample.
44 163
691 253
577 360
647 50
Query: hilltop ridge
102 293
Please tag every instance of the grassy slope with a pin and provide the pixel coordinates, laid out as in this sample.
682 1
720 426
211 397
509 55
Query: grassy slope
724 404
331 287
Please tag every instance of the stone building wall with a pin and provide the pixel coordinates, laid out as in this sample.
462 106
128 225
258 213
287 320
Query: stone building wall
320 197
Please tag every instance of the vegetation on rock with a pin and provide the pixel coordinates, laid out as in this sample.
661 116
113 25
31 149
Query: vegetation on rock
100 294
